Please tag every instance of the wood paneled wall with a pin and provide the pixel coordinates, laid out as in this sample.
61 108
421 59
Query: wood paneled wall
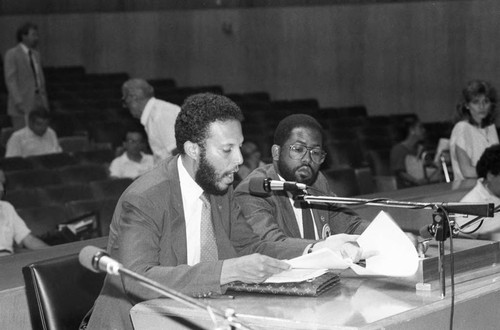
392 57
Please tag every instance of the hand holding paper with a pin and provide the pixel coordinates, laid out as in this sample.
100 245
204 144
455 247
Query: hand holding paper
388 249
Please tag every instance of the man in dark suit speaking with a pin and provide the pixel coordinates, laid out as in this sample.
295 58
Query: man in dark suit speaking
179 225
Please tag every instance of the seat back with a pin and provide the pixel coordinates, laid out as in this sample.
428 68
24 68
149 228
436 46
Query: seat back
110 188
82 173
60 292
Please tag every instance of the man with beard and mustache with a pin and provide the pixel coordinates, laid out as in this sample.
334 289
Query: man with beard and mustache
158 226
297 156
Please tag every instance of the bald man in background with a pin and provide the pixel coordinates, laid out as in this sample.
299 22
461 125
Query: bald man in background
157 116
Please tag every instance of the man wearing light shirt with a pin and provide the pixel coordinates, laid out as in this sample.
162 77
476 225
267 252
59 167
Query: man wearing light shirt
157 116
35 139
133 162
24 76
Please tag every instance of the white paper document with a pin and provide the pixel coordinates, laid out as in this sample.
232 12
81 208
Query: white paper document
392 254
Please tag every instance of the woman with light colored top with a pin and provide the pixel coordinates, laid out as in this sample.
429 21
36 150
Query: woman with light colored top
487 190
475 129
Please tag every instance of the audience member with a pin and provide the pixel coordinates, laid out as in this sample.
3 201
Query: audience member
35 139
297 156
475 129
251 159
24 76
133 162
179 225
486 190
406 160
13 229
157 116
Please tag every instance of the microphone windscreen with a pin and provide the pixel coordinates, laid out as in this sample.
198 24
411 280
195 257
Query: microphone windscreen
256 187
87 255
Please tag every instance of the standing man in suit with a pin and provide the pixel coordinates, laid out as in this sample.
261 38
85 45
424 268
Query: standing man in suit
297 156
24 76
157 116
178 224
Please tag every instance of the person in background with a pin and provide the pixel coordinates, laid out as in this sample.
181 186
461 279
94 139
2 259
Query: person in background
13 229
297 156
178 224
35 139
157 116
486 190
406 160
474 130
251 159
24 76
133 162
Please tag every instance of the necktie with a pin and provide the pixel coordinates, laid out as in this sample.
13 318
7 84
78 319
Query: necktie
32 64
307 221
208 243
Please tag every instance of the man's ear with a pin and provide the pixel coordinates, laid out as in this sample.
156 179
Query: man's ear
192 150
275 151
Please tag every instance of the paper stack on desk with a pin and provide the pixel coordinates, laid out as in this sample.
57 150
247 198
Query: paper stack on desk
393 254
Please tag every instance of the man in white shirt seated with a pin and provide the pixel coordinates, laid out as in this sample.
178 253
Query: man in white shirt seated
13 229
35 139
133 162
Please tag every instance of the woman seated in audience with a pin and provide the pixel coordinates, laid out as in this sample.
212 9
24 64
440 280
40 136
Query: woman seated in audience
474 130
407 164
13 229
487 190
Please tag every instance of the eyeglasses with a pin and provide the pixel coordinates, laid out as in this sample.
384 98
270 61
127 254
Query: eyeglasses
298 151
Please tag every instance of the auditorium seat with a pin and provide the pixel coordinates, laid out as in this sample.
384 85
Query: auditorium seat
342 181
379 160
43 219
96 156
61 194
83 173
22 198
74 143
365 180
109 188
52 161
60 292
30 178
104 208
15 164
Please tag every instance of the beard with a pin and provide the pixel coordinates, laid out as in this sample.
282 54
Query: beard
206 177
289 174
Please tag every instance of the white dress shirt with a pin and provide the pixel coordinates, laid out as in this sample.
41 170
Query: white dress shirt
124 167
25 143
158 119
192 206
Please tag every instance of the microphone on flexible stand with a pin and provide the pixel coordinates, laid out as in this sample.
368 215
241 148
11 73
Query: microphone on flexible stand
97 260
263 186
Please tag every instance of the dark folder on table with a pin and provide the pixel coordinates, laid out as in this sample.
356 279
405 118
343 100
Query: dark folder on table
312 287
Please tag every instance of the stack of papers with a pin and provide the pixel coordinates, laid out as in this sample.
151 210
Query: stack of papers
392 254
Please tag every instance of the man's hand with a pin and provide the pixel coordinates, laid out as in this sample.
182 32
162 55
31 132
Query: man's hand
343 243
254 268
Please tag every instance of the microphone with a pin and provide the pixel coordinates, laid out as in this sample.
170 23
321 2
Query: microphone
97 260
480 209
261 186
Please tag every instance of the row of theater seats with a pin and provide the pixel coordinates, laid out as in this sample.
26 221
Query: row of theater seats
43 209
89 104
